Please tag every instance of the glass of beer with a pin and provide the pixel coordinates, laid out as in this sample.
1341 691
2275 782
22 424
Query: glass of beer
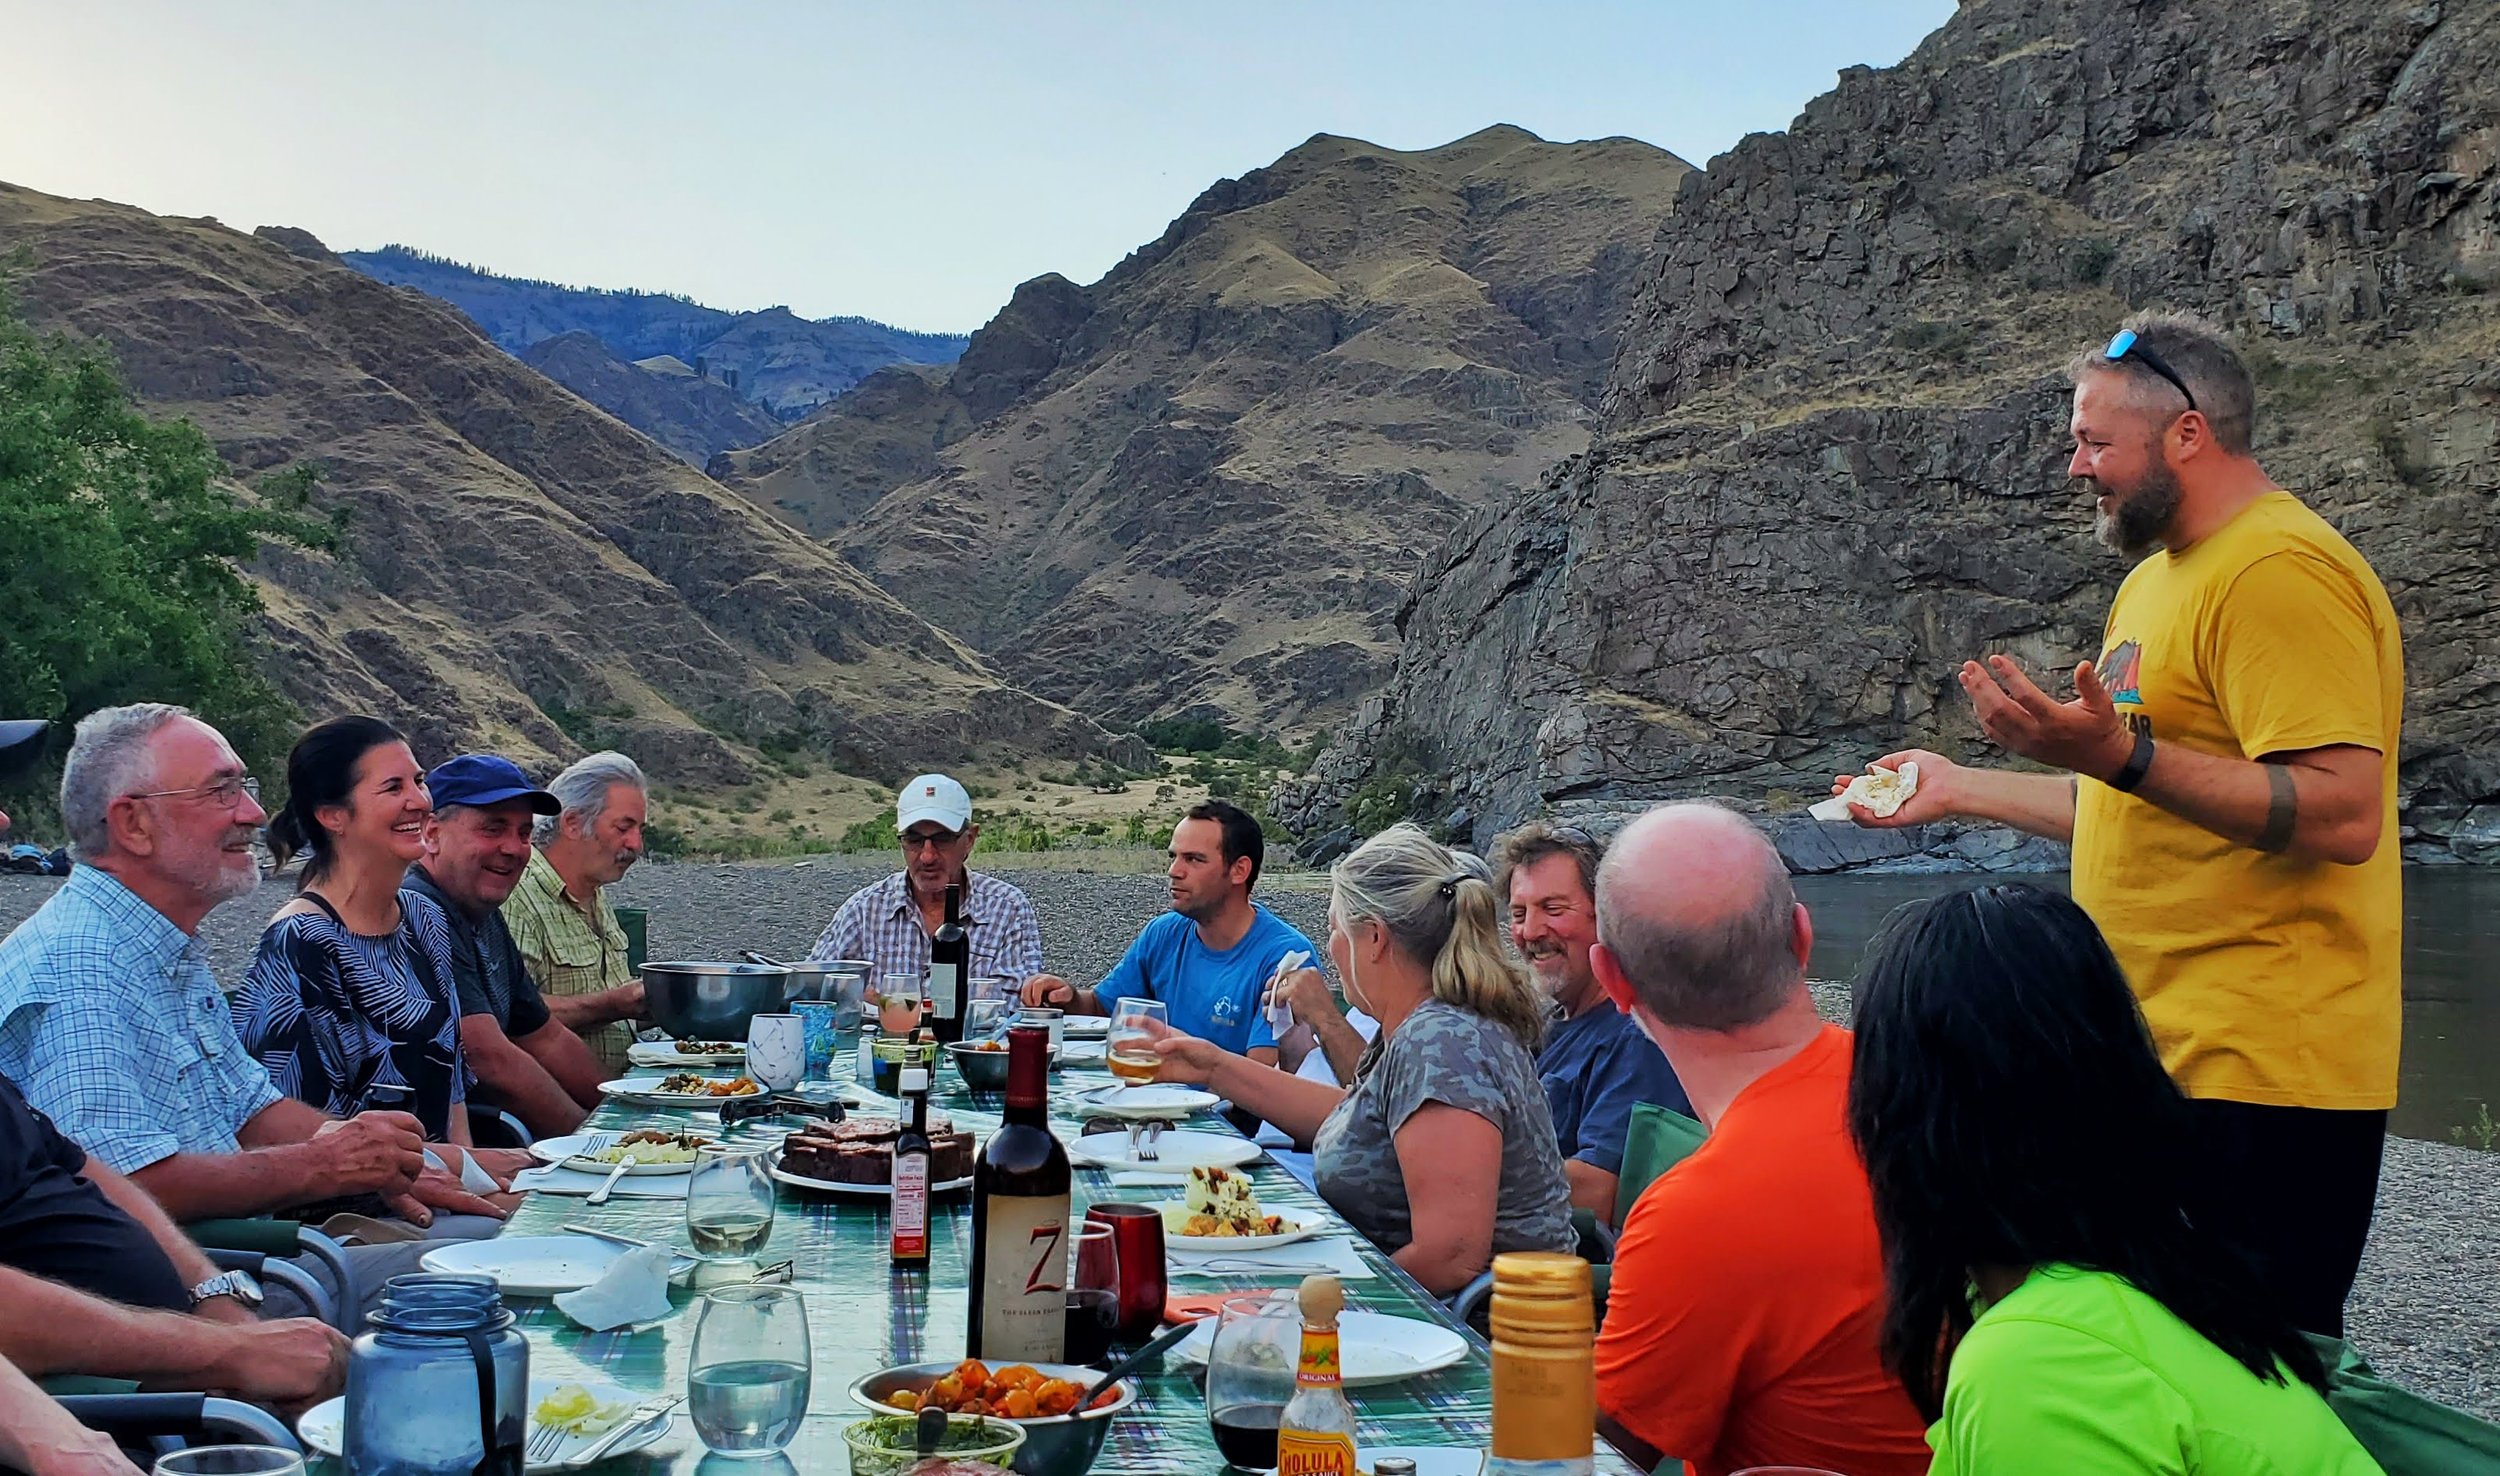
1132 1053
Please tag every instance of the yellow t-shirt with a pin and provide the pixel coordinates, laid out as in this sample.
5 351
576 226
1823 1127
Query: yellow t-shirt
2266 978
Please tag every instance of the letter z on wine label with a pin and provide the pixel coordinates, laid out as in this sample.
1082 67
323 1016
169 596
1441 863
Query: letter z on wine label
1024 1308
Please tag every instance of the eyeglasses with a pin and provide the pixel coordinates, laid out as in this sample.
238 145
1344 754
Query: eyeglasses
1573 835
227 792
913 841
2127 346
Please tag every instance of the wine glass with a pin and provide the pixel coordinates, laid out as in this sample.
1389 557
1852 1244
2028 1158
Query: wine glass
1250 1369
230 1460
1093 1293
748 1380
984 1018
900 1004
1132 1055
729 1201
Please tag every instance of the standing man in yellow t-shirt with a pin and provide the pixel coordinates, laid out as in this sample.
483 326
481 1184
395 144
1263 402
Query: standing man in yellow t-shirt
2230 793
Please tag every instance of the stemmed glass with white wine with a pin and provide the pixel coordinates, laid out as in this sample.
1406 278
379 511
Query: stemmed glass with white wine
1131 1054
729 1201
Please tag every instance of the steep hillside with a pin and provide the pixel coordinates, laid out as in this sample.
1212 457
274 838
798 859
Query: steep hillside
693 415
1200 484
521 571
787 364
1831 461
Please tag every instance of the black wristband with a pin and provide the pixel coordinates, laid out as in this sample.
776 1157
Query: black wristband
2131 773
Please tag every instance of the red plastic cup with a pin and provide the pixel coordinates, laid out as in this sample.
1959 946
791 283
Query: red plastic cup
1137 1232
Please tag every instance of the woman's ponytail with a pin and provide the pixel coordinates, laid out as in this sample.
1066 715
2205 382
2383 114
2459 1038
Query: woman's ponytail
1439 905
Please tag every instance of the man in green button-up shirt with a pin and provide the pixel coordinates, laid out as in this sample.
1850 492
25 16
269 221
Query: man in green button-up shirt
559 915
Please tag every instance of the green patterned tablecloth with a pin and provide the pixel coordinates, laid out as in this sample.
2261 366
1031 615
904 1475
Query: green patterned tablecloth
863 1315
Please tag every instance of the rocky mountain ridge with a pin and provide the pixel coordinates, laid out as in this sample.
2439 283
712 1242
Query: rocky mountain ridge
693 415
1199 485
1830 460
519 570
773 359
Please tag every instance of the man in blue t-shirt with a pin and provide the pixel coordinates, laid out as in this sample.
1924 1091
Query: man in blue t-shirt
1596 1066
1210 958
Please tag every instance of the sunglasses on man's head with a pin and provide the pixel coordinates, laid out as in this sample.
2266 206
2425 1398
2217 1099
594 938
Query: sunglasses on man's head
2125 345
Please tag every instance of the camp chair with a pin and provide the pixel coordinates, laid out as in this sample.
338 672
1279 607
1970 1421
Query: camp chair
492 1127
2405 1433
163 1422
1595 1244
1657 1139
262 1247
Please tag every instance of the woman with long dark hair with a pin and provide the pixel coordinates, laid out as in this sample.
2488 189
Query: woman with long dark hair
2051 1305
349 1000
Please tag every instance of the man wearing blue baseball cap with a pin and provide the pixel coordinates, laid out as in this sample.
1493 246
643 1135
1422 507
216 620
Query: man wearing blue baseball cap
476 846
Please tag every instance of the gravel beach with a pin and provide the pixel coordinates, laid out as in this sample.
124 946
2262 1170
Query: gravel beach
2426 1310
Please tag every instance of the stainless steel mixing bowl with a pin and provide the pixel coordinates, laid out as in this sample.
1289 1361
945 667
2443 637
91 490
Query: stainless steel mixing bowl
716 1001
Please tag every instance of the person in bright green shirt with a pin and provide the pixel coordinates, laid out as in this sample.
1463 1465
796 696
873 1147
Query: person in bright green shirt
2051 1307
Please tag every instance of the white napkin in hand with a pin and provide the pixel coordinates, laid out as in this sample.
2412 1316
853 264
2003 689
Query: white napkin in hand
634 1290
1279 1013
472 1178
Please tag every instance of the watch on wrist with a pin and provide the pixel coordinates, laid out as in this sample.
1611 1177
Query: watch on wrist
236 1284
2131 773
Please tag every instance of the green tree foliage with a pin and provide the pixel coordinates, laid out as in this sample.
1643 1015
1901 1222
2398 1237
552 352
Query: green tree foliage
121 543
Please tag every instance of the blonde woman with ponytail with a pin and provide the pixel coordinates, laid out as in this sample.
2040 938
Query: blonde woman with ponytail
1441 1151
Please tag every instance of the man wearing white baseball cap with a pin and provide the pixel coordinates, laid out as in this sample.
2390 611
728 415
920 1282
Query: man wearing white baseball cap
889 923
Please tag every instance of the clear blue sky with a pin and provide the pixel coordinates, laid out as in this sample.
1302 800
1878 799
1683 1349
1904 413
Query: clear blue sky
910 162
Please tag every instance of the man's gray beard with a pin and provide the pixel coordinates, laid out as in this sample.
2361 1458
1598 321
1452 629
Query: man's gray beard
2135 526
218 877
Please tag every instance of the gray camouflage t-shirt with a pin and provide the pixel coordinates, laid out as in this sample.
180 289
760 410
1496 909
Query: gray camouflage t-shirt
1442 1053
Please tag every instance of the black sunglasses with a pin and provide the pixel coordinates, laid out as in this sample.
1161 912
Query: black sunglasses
2127 346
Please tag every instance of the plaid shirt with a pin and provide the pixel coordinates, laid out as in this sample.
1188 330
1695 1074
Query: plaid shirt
112 1026
571 949
880 923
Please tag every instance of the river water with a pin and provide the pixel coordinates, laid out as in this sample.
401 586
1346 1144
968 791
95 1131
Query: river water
2451 1058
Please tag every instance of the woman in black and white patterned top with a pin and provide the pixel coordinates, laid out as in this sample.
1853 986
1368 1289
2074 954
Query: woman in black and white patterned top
350 1000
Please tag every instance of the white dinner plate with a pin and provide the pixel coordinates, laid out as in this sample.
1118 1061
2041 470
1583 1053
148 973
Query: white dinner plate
530 1265
663 1053
1146 1101
1372 1347
640 1089
863 1191
1299 1225
324 1426
1085 1027
568 1152
1085 1053
1175 1152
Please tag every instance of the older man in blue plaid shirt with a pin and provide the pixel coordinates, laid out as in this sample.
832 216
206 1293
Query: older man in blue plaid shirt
888 923
112 1026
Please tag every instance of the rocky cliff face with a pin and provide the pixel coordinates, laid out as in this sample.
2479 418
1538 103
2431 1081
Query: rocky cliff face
1199 485
519 569
784 363
693 415
1830 465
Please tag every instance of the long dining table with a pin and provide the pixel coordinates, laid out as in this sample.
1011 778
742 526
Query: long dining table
864 1315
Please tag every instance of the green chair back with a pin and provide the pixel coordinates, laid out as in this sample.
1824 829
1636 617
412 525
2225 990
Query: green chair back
2405 1433
1658 1139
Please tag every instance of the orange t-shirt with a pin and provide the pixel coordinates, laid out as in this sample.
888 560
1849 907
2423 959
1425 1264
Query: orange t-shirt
1748 1290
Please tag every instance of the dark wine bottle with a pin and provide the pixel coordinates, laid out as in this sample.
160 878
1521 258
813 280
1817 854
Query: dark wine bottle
950 969
912 1152
1020 1220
